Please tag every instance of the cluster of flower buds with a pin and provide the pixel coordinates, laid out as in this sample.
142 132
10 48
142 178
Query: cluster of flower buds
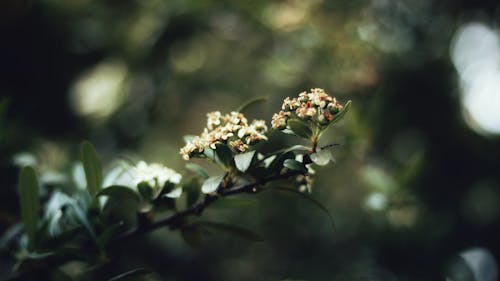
316 106
231 129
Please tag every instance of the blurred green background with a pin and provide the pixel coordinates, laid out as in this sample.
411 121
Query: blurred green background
417 177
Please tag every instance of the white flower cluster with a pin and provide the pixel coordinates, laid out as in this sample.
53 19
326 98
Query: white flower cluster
316 106
231 129
156 176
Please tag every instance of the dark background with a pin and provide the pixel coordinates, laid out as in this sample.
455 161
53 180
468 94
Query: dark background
134 76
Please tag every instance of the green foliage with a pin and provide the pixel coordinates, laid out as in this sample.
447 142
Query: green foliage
197 169
295 165
244 160
299 128
337 117
212 183
128 206
30 204
92 166
322 157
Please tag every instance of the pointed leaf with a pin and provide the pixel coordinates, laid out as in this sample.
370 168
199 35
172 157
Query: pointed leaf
337 117
251 103
295 165
238 231
322 157
92 166
300 129
197 169
30 204
175 193
120 192
192 189
244 160
80 216
211 184
223 155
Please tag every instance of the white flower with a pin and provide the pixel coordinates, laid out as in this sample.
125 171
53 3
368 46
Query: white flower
156 176
213 119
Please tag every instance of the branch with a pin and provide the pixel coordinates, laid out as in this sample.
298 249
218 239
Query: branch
172 221
198 208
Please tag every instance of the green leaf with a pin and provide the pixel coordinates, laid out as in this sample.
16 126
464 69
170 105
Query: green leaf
277 163
92 166
192 235
80 216
197 169
120 192
235 230
337 117
131 273
300 129
211 184
244 160
145 190
192 189
251 103
322 157
30 204
308 198
295 165
223 155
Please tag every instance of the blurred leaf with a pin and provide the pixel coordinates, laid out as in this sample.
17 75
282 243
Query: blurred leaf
175 193
197 169
211 184
59 275
223 155
80 216
231 203
145 190
109 232
192 235
232 229
209 153
251 103
120 192
39 255
192 188
295 165
308 198
321 157
131 273
29 203
92 166
54 213
269 160
244 160
337 117
10 235
277 163
300 129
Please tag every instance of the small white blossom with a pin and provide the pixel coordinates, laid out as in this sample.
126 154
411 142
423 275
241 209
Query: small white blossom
231 129
315 106
155 175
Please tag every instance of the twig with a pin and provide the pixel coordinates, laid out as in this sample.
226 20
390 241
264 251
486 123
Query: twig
173 221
